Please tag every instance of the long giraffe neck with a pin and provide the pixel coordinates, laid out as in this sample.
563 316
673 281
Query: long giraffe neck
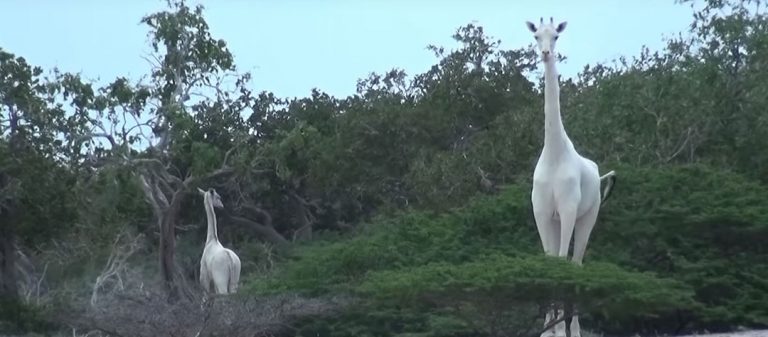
211 215
555 139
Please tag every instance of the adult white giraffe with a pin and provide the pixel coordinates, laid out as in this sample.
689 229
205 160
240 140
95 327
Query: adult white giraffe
219 266
566 194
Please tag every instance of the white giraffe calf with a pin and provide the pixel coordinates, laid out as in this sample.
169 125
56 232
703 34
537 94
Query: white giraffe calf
219 266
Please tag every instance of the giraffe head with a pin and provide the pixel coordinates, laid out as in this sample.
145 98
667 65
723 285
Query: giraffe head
211 195
546 36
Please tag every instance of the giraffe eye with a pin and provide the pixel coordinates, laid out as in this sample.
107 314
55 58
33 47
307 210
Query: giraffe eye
556 36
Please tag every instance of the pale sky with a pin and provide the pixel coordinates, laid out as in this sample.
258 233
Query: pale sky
292 46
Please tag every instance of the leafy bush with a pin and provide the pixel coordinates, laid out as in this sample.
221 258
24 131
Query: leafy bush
698 225
486 225
499 286
17 317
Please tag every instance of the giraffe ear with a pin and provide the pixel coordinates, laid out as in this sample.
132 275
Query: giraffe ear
561 26
201 191
531 26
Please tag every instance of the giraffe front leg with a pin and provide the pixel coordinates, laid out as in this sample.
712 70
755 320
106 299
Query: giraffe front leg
567 224
543 210
560 327
584 226
548 318
568 196
550 236
575 327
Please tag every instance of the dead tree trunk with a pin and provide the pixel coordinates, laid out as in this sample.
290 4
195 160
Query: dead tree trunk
168 243
168 253
165 220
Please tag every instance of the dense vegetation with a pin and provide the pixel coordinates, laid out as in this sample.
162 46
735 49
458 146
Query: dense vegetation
401 210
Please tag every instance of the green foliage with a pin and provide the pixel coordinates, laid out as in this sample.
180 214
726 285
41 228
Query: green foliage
45 209
601 286
415 238
374 320
32 153
700 100
699 225
670 221
17 317
190 49
496 286
110 200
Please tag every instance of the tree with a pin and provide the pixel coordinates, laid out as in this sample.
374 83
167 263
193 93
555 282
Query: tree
187 59
38 161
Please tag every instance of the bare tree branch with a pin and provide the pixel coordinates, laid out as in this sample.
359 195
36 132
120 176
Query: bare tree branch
265 231
555 322
116 264
226 155
260 211
686 139
92 135
149 194
163 184
220 173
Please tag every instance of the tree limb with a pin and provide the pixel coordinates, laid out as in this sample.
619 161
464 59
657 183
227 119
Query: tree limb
555 322
260 211
150 195
686 139
266 232
115 263
303 201
226 155
92 135
193 180
163 185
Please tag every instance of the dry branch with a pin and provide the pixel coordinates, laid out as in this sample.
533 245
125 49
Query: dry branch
116 263
139 313
30 281
260 211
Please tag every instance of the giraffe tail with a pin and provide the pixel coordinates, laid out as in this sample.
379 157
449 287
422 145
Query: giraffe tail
234 273
611 180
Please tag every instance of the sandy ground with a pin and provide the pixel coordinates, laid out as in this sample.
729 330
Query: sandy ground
744 333
749 333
